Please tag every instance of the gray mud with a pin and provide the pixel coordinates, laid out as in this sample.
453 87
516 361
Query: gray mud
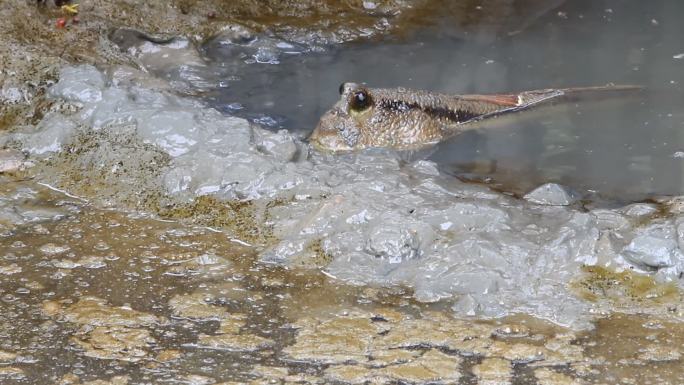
367 219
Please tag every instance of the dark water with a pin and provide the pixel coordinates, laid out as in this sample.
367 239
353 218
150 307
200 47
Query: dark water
624 150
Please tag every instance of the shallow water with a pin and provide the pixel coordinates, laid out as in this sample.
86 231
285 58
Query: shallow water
577 44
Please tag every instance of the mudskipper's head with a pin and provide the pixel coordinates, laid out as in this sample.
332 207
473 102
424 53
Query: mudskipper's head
341 128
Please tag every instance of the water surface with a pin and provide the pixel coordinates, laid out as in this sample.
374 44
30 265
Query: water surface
624 150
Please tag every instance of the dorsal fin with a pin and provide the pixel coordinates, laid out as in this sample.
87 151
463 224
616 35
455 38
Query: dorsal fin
530 99
503 100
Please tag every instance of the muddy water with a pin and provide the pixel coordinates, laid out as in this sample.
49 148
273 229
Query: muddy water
576 44
92 294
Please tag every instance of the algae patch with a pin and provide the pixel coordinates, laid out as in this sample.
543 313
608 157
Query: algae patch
108 167
313 256
114 343
362 346
119 168
107 332
237 216
624 287
9 117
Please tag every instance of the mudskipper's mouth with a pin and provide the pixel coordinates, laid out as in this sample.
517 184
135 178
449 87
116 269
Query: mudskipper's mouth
324 141
327 137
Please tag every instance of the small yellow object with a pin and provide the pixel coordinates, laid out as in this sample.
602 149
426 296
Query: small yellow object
70 9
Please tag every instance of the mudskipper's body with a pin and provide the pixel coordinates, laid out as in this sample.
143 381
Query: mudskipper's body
409 119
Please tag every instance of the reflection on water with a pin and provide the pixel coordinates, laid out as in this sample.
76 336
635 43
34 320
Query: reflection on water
625 151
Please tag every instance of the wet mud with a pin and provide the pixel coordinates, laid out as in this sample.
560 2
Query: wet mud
91 294
149 235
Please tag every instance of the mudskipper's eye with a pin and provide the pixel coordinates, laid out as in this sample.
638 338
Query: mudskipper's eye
360 100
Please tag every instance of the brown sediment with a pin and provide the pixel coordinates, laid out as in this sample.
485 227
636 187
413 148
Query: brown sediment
636 348
9 117
273 322
625 288
314 256
95 166
236 216
92 166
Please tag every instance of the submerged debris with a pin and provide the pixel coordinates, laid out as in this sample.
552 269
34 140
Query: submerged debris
551 194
